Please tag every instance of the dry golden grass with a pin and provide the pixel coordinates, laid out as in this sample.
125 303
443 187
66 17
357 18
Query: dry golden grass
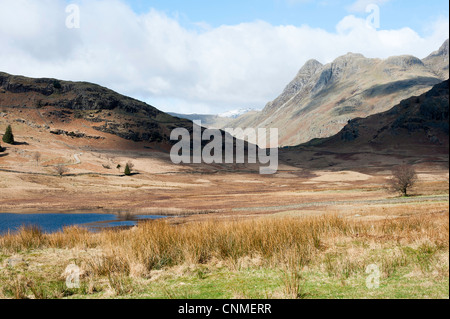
339 245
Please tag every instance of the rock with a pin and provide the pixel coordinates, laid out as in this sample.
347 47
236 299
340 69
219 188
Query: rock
74 134
15 262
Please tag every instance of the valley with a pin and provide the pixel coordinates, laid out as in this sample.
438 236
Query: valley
312 230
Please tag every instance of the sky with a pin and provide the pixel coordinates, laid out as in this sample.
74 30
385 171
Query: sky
201 56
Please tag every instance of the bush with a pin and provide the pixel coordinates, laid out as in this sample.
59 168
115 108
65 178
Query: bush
57 85
127 170
8 137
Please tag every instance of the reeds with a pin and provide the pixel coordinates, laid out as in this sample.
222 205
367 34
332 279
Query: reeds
292 243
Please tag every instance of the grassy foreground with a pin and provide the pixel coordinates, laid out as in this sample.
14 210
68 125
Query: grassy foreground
266 257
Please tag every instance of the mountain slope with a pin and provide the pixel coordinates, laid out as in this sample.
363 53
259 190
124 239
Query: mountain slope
421 120
414 131
59 106
438 61
322 98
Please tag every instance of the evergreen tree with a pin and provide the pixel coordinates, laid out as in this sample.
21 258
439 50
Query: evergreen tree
8 137
127 170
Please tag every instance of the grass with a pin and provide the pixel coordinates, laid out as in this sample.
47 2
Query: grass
309 257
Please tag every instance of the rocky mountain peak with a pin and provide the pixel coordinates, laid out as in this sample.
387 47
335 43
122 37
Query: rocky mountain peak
443 51
438 61
310 67
404 61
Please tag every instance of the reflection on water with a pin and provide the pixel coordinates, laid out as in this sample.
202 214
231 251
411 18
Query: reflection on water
50 223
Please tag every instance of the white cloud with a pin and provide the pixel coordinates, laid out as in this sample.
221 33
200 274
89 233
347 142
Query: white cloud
153 58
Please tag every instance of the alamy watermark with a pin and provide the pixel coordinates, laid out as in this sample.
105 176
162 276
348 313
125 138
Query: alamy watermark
72 273
73 18
373 19
224 148
373 280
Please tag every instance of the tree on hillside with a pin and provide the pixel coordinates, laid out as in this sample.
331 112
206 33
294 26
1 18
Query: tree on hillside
37 157
61 170
404 177
1 148
130 165
127 170
8 137
57 85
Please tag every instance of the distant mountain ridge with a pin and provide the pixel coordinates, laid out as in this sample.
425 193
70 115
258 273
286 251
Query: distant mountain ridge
236 113
321 99
219 121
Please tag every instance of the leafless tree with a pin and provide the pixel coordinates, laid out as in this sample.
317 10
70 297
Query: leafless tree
61 170
403 178
37 157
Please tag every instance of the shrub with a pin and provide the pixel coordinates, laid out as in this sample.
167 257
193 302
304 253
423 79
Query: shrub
8 137
57 85
127 170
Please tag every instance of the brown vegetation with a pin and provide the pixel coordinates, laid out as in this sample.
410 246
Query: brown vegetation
292 243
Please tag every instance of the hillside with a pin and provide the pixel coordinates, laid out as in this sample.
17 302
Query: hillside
321 99
416 130
83 110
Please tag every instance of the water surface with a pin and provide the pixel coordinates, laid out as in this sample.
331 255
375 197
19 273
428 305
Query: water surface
54 222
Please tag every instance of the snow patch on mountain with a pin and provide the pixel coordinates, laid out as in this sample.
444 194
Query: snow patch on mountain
234 114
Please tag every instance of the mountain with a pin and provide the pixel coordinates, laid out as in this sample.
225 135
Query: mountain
208 120
234 114
415 130
219 121
321 99
421 120
65 108
438 61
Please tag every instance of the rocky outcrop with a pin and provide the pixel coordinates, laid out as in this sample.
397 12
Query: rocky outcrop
75 134
310 68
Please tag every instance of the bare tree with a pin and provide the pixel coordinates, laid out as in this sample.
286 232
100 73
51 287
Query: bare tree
403 178
37 157
61 170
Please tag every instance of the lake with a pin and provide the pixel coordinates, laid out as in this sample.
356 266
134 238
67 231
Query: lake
54 222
